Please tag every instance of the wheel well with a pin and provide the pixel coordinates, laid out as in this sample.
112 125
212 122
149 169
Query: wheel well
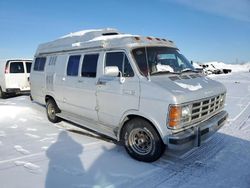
130 117
47 97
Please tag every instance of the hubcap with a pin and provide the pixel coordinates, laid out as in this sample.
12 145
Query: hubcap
140 141
51 111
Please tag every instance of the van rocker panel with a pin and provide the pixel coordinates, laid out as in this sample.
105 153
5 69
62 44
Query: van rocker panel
88 124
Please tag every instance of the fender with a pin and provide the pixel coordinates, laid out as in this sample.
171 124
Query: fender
138 114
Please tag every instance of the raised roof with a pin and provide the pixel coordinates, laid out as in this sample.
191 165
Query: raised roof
99 38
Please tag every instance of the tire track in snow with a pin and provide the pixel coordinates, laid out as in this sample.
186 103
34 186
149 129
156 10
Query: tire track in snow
172 166
241 113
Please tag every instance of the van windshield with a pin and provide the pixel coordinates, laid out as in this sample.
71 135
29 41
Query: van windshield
160 60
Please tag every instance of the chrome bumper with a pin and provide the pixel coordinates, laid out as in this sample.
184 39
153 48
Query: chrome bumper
193 137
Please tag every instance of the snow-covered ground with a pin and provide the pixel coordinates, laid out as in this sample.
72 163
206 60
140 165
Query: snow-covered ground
245 67
35 153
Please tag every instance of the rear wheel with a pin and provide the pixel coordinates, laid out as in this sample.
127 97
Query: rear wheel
2 94
142 141
52 109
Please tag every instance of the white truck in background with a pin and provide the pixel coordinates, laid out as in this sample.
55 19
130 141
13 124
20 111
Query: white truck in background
14 76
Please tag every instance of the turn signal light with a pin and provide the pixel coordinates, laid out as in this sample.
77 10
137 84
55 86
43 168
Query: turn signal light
174 115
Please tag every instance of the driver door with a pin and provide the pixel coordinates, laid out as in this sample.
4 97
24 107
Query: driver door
113 97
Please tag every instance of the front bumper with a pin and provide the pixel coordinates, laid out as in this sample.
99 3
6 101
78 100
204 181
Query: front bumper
195 136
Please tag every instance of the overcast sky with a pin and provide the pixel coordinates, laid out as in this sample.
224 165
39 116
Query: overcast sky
207 30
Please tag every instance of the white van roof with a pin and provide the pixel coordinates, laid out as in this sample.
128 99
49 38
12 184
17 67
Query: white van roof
15 59
99 38
4 61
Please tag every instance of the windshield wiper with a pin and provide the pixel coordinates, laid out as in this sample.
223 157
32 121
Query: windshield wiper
163 72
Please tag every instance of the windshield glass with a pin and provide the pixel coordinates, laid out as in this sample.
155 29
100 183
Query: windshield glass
154 60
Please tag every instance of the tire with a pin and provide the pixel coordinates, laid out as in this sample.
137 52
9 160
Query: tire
52 109
142 141
2 94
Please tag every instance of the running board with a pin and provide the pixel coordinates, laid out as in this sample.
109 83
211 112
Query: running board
89 124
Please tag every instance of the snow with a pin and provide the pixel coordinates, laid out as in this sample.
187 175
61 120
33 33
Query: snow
189 87
161 67
234 67
37 153
110 37
84 32
196 65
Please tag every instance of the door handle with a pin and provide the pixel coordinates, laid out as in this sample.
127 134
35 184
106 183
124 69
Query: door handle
101 82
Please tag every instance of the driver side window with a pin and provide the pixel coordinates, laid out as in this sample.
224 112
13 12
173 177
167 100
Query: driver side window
120 60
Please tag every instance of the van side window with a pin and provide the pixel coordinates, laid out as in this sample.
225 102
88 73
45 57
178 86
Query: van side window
120 60
89 65
39 64
73 65
28 66
16 67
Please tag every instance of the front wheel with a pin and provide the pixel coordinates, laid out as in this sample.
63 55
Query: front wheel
142 141
52 109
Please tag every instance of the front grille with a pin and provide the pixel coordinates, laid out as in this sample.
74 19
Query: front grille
199 110
206 107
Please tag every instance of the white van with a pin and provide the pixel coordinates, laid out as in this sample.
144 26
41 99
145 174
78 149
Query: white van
138 90
14 76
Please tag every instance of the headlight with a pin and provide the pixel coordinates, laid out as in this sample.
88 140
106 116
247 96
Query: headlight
178 115
185 112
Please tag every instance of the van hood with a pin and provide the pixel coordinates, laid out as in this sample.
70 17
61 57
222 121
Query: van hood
188 87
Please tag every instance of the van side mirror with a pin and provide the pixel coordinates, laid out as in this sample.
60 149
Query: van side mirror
112 71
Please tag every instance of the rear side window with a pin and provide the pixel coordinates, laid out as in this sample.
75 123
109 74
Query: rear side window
120 60
39 64
73 65
28 66
16 67
89 65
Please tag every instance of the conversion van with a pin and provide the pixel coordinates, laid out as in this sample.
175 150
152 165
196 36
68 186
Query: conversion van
14 76
138 90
